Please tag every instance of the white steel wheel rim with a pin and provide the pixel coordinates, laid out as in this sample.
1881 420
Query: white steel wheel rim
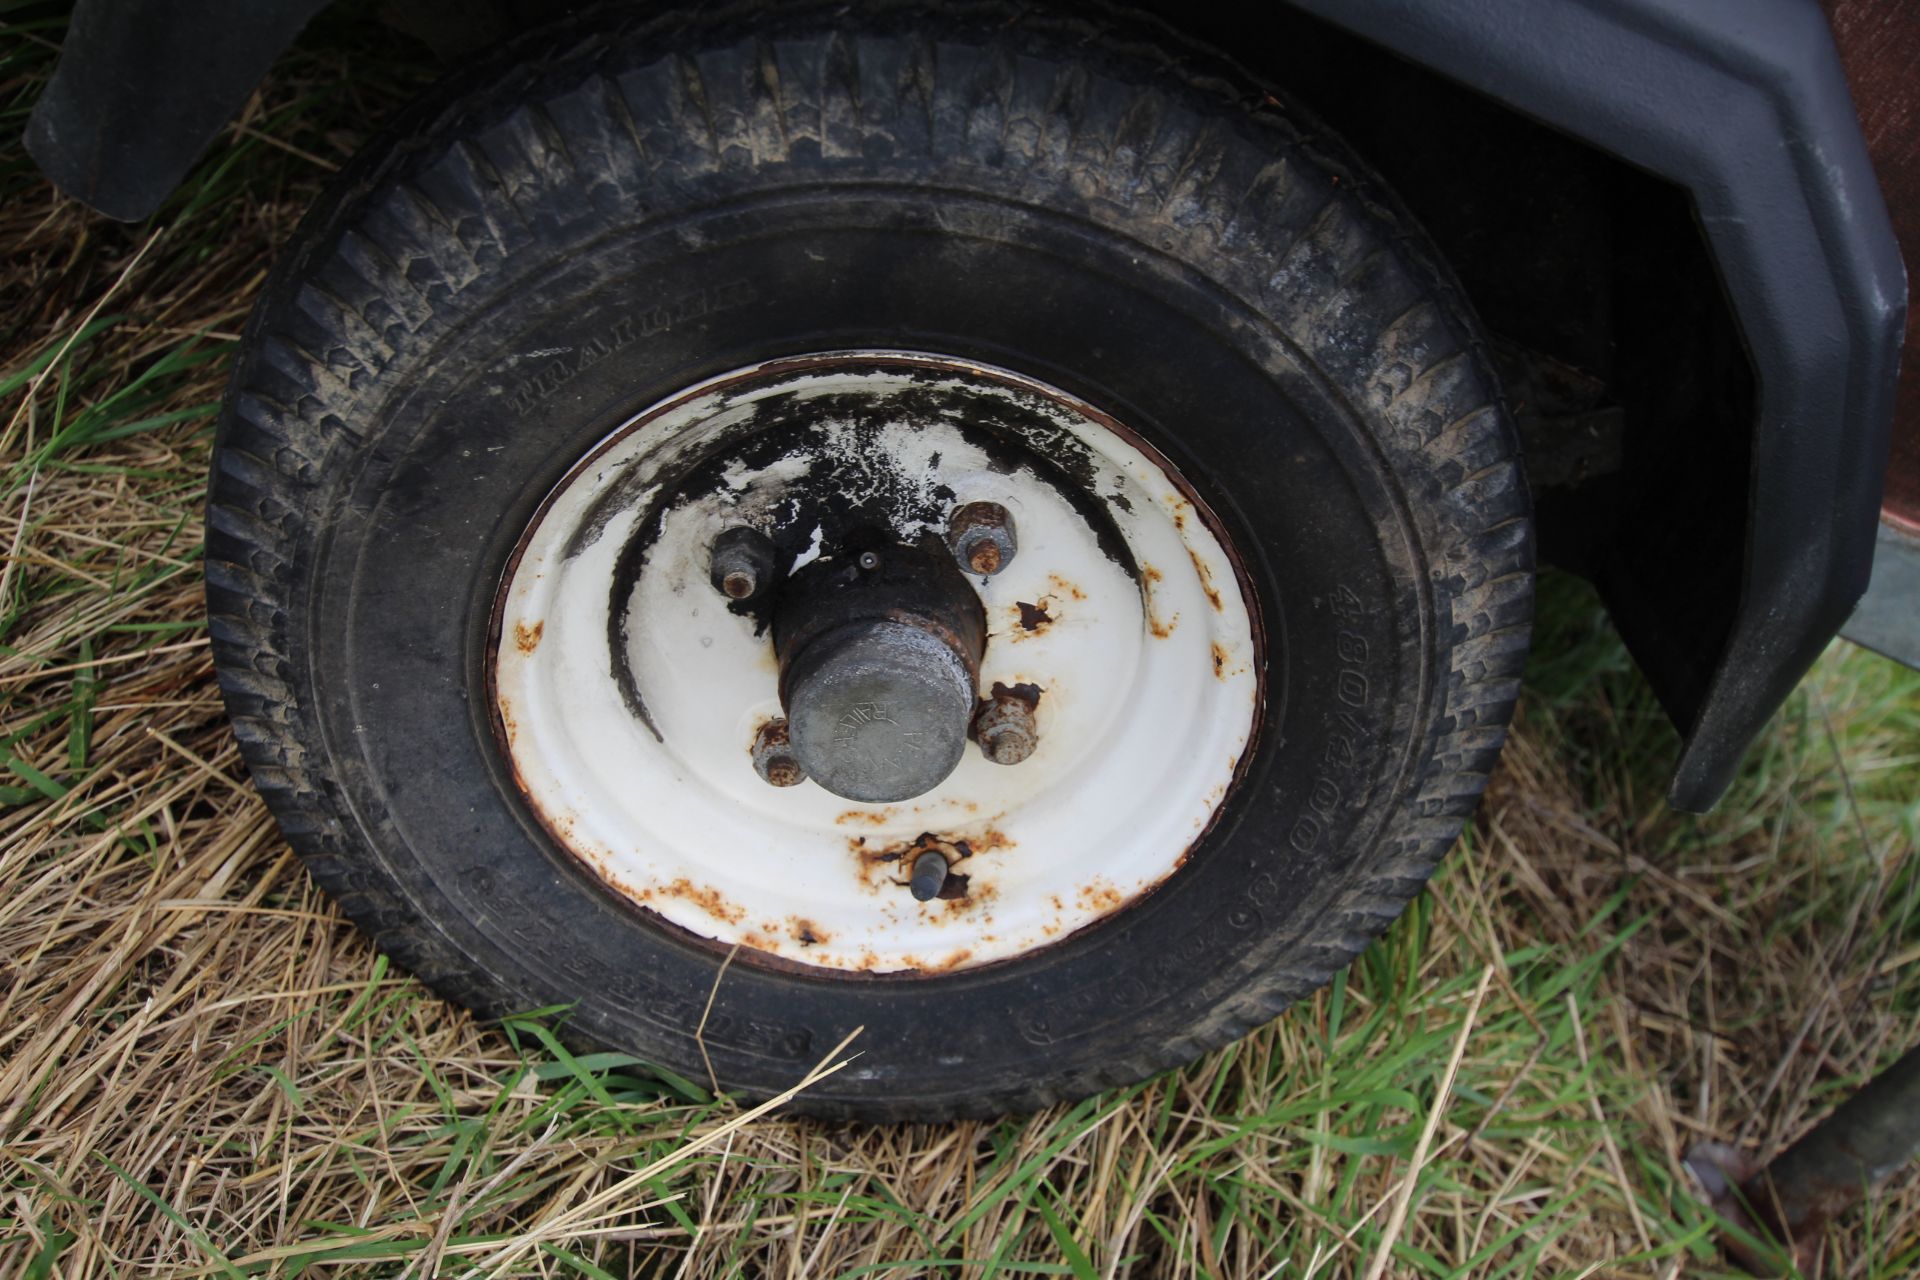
1151 684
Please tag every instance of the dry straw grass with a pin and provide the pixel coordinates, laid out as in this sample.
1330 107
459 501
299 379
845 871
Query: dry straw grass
205 1071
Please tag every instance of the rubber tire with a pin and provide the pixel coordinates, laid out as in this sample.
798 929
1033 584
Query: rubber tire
1090 201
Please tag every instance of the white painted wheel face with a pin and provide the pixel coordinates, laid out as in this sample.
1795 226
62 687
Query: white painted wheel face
1121 604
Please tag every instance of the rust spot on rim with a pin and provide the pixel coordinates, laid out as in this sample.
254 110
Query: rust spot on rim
709 900
1022 690
864 817
1161 627
959 900
527 638
1034 617
1219 660
1062 587
1206 580
889 866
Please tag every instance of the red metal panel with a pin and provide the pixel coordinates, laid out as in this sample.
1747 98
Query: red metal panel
1879 43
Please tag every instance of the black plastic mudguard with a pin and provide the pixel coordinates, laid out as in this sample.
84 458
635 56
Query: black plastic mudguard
144 85
1744 104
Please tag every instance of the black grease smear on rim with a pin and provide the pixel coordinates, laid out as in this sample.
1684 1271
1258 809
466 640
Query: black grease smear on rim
848 487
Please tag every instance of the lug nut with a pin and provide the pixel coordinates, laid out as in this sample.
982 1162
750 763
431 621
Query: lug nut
1004 726
773 757
929 876
981 537
742 563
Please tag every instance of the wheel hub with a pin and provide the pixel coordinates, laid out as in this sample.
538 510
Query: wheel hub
879 651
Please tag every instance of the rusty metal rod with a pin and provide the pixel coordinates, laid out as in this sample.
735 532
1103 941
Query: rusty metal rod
1866 1138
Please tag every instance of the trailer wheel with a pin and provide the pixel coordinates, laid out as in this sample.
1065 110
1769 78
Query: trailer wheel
985 528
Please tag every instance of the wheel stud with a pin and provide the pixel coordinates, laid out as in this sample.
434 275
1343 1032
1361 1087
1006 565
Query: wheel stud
981 537
929 876
773 757
1005 727
742 563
